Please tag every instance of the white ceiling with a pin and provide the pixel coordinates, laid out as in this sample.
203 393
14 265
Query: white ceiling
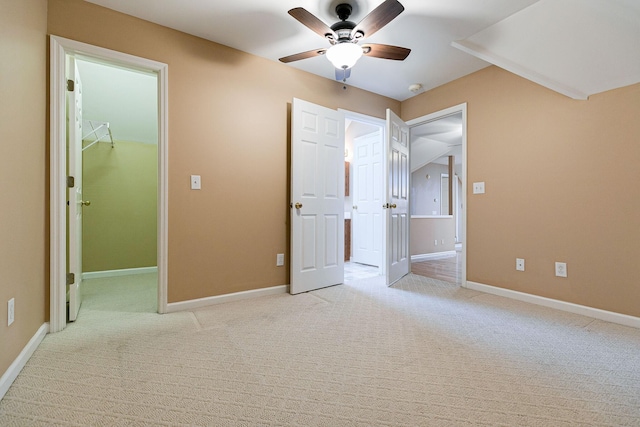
124 98
575 47
554 35
264 28
434 141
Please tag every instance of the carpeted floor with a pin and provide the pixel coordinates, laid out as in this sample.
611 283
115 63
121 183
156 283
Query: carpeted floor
422 353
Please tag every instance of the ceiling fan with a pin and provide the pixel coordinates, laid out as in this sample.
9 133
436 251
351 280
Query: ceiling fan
344 36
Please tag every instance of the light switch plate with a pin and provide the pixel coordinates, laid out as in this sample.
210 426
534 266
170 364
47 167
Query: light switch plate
478 188
195 182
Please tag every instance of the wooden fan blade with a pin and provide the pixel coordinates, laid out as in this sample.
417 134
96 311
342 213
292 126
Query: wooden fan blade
378 18
309 20
385 51
303 55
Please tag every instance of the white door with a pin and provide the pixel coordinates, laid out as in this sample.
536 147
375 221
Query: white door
397 204
74 108
317 197
368 198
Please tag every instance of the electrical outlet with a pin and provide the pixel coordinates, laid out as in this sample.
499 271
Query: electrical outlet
520 264
478 188
11 311
561 269
435 242
279 260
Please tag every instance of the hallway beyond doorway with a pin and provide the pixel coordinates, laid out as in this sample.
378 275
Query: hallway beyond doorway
447 268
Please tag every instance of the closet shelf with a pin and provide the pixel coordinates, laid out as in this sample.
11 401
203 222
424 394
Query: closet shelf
97 132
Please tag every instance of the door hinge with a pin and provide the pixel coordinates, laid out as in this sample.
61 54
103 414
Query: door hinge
70 85
71 278
71 182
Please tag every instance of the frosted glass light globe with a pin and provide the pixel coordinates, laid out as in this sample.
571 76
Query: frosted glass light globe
344 55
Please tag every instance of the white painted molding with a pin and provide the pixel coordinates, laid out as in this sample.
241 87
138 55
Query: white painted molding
219 299
14 369
121 272
435 255
375 121
57 188
596 313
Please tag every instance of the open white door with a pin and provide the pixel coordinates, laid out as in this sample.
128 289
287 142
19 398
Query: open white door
317 197
397 204
368 198
74 108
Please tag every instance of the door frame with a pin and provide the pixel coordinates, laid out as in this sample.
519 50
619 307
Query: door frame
382 124
460 108
59 48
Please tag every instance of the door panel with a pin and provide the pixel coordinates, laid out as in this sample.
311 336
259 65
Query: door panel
331 240
317 192
74 108
398 260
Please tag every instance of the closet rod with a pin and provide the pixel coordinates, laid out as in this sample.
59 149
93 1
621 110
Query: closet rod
95 130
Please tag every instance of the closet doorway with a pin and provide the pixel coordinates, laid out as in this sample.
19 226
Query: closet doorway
120 181
125 173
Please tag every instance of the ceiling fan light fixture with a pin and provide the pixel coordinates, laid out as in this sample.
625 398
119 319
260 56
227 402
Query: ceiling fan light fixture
344 55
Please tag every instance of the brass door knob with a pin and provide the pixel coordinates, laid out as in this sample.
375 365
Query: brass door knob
298 205
393 206
85 202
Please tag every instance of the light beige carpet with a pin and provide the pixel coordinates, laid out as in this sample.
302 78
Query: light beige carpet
422 353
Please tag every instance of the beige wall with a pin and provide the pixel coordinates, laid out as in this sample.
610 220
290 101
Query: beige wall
23 168
228 123
541 155
119 227
426 193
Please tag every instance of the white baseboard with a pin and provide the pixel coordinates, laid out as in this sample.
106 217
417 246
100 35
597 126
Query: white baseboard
219 299
122 272
596 313
14 369
435 255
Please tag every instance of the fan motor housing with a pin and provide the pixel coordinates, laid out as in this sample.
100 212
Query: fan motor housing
343 10
343 27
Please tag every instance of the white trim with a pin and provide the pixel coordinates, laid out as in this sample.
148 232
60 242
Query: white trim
435 255
596 313
219 299
59 47
431 216
486 55
363 118
58 154
460 108
121 272
14 369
